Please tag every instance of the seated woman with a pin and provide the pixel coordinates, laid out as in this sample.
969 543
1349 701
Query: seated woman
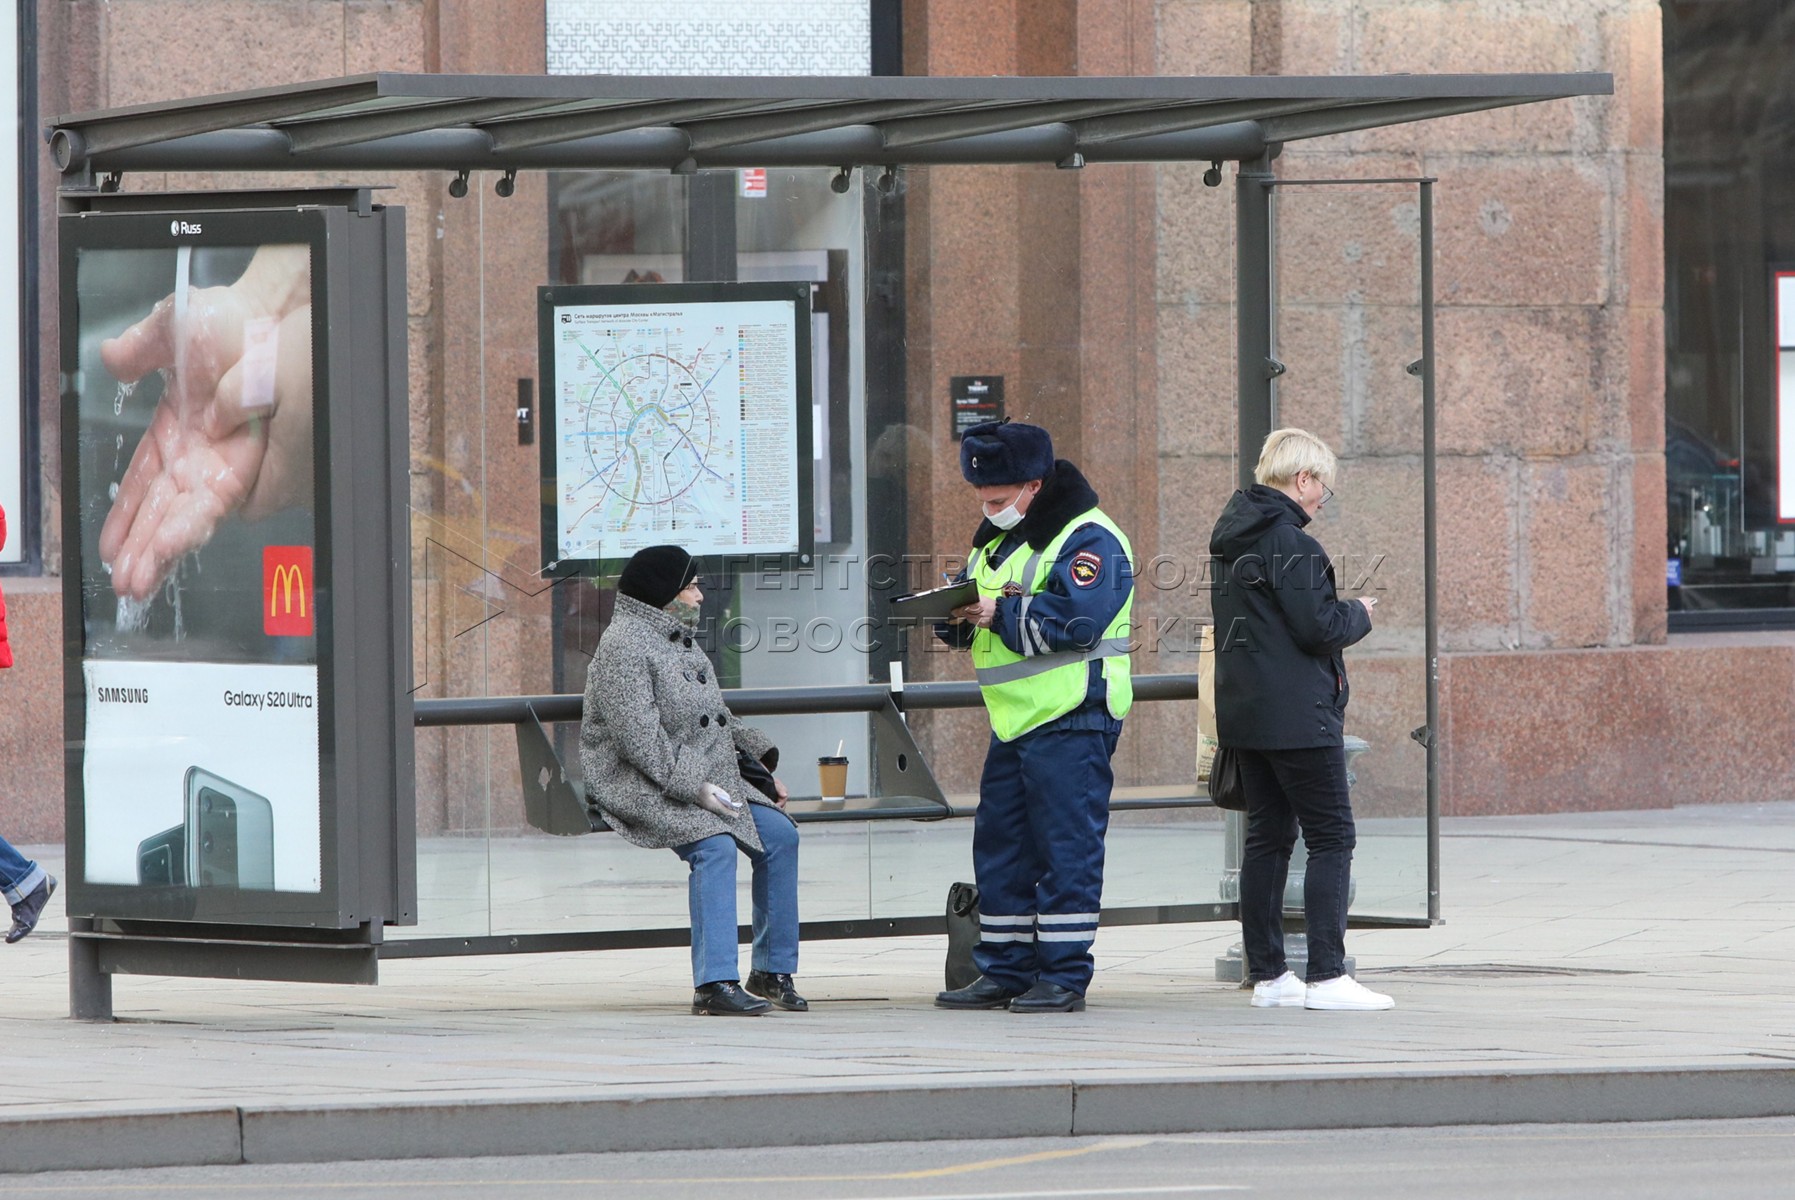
670 767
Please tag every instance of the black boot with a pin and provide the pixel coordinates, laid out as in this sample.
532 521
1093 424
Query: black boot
1048 997
980 993
26 912
777 988
725 998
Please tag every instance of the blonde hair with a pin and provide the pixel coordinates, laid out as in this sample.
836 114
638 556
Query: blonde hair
1290 452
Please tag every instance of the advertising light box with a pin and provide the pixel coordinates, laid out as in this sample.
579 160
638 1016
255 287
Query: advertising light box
221 767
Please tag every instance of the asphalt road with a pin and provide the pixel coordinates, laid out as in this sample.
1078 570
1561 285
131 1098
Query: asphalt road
1572 1162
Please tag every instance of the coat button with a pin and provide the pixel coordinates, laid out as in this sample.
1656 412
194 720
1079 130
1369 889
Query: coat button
674 636
722 719
701 677
688 643
704 721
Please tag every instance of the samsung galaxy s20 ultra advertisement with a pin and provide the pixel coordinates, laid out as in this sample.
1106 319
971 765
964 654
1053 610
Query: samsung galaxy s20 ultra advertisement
201 603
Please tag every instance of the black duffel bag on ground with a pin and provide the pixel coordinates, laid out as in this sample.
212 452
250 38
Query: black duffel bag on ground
962 934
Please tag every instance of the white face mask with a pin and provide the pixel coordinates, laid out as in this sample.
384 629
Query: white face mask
1009 518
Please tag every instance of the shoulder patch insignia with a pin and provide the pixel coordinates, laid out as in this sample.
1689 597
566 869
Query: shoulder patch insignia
1086 568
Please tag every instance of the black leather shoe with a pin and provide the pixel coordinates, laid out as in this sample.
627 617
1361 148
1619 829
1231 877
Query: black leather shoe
980 993
26 912
1048 997
777 988
725 998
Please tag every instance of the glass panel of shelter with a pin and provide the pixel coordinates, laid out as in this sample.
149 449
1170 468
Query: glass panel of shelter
1005 286
1347 328
488 625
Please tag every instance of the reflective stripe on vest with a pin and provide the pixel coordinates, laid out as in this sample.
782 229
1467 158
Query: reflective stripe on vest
1107 648
1025 691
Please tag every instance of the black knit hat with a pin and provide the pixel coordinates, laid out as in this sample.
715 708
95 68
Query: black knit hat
656 574
1000 452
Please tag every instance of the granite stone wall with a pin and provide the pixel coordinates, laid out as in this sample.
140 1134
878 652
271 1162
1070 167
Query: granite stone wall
1549 285
1105 298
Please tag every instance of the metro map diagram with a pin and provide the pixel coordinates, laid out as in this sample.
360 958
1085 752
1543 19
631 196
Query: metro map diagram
650 436
674 420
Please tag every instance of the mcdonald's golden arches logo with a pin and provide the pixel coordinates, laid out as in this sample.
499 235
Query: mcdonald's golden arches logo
287 600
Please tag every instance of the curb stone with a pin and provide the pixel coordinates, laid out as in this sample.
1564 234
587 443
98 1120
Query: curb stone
843 1114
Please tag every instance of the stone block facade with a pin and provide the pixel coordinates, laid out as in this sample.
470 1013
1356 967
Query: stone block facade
1105 297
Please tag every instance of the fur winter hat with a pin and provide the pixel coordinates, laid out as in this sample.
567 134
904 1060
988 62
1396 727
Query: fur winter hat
999 452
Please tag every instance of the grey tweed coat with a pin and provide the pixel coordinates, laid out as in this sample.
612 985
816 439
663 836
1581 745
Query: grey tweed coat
655 727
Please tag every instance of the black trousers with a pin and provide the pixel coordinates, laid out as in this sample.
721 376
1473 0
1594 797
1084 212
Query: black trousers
1285 789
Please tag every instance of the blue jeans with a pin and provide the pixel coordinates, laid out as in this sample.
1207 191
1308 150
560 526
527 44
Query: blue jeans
711 896
1285 788
19 876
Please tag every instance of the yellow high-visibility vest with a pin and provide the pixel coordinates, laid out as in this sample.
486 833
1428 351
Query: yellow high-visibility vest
1024 692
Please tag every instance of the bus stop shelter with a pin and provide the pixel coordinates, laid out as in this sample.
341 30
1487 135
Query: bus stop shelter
360 127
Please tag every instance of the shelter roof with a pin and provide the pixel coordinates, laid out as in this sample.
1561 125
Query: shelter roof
392 120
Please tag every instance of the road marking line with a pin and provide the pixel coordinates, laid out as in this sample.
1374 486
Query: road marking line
1182 1189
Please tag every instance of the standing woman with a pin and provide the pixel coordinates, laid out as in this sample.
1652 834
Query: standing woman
23 882
1280 701
671 768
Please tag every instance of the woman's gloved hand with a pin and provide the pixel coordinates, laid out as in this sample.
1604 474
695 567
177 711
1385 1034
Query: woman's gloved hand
714 799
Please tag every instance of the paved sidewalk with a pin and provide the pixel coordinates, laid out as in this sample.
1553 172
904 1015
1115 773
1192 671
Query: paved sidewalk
1592 966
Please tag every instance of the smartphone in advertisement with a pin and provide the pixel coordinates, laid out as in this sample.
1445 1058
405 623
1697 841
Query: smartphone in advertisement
162 859
230 834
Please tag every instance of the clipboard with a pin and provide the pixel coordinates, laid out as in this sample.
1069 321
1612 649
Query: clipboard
936 604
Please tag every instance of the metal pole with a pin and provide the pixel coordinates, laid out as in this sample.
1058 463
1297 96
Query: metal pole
90 989
1254 404
1430 550
710 250
1255 367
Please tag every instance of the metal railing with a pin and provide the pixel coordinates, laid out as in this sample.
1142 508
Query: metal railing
764 702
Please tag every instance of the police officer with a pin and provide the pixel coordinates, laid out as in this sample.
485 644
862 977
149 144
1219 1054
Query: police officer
1049 642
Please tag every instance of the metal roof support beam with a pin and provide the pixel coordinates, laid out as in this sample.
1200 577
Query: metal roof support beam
1350 117
1237 141
319 133
921 131
154 124
662 148
526 133
1098 131
735 131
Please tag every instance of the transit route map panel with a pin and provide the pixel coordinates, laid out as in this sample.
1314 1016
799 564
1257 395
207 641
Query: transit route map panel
675 413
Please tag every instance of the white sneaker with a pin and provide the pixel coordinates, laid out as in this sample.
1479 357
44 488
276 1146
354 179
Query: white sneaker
1286 991
1344 994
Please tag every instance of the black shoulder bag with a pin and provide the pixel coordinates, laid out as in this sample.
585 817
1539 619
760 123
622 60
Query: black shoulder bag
755 774
1225 787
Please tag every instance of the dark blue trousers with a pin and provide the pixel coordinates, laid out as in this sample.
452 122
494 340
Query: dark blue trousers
1037 853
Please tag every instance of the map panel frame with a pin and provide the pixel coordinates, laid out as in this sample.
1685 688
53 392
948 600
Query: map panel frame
705 468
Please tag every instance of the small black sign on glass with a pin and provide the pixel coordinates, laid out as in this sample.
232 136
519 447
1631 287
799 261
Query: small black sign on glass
975 399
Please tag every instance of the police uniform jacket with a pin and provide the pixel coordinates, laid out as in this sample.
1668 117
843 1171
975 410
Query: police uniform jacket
1280 628
655 728
1086 587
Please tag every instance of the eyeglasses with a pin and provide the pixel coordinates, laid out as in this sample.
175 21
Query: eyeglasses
1327 493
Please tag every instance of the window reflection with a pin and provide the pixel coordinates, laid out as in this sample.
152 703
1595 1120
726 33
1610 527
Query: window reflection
1729 162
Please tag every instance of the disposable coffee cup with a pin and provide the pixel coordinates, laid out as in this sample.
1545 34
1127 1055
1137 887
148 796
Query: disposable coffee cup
832 774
